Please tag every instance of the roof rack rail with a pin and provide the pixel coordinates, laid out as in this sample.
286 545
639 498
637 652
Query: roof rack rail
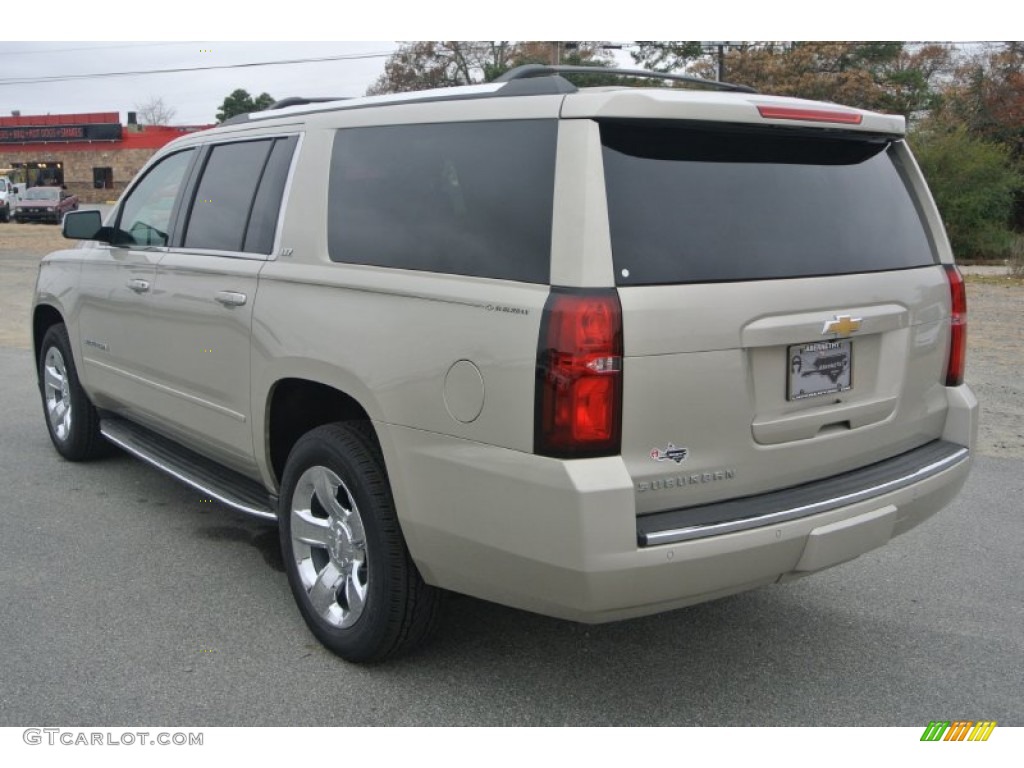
296 101
542 70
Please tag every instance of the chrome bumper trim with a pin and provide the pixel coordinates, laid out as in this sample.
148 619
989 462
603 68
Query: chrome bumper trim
651 538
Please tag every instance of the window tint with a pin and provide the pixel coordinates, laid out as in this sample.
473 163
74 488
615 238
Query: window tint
462 198
146 213
224 197
691 205
263 223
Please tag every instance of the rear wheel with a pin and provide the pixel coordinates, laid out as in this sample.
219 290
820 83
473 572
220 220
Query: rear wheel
71 420
348 567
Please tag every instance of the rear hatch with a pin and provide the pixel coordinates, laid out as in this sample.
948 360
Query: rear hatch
785 315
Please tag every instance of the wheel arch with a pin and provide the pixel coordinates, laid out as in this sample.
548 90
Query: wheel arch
44 316
297 405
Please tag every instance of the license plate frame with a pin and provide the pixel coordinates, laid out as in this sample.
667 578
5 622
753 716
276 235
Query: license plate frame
819 368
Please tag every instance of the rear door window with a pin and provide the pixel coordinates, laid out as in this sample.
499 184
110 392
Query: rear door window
259 236
690 204
237 201
461 198
224 197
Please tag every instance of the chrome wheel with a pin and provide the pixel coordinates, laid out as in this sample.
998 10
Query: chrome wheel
329 546
56 393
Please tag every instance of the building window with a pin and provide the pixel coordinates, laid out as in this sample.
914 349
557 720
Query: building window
40 174
103 178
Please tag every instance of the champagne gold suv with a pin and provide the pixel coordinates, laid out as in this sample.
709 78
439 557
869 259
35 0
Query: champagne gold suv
594 353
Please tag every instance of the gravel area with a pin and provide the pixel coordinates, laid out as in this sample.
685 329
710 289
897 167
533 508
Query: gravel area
995 360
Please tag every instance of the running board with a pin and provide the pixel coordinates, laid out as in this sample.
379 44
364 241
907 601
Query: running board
229 487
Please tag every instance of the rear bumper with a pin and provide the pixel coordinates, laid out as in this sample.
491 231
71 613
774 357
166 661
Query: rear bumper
865 484
561 537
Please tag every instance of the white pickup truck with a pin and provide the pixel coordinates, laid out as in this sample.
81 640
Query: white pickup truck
9 195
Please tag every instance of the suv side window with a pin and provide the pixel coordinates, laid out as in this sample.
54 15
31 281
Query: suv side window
238 198
460 198
223 200
145 217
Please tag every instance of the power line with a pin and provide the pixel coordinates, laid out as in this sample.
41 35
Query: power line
173 70
48 51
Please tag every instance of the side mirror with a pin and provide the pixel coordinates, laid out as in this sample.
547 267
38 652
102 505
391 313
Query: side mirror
85 225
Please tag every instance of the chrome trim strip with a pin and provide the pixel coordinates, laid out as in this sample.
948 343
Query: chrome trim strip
149 459
238 255
826 505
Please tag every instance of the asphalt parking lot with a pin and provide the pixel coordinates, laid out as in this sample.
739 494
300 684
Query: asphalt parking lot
127 600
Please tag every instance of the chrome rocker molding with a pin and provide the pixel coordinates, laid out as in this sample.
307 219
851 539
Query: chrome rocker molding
230 488
794 503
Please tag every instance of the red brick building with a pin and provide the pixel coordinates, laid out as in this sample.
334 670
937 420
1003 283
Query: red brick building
92 154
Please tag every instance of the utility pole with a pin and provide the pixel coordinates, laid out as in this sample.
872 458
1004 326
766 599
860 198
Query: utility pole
556 52
720 46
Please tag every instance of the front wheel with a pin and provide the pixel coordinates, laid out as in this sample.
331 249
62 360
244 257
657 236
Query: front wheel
71 420
348 566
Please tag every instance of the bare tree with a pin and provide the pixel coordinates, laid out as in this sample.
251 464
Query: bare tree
155 112
423 64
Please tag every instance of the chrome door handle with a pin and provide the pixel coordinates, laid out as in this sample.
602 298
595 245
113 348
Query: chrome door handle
139 286
230 298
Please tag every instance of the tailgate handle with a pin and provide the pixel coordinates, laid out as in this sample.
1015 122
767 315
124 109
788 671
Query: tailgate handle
230 298
138 285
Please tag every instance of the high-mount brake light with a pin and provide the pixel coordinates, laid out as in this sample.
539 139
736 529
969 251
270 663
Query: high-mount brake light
957 327
579 375
813 115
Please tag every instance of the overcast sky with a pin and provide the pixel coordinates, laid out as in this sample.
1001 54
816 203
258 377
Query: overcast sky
71 64
195 95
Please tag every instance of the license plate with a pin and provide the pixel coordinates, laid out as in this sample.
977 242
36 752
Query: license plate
819 368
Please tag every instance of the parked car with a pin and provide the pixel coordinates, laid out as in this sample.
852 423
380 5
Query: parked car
593 353
48 204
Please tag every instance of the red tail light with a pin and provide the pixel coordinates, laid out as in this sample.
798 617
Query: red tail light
957 328
579 375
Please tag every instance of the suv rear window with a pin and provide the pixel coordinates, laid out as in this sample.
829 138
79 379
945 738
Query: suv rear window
461 198
690 204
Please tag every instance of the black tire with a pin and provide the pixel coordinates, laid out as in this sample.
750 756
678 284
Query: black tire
71 420
5 215
351 575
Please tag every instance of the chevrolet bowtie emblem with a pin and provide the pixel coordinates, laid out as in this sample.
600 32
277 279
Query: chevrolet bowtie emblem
843 325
